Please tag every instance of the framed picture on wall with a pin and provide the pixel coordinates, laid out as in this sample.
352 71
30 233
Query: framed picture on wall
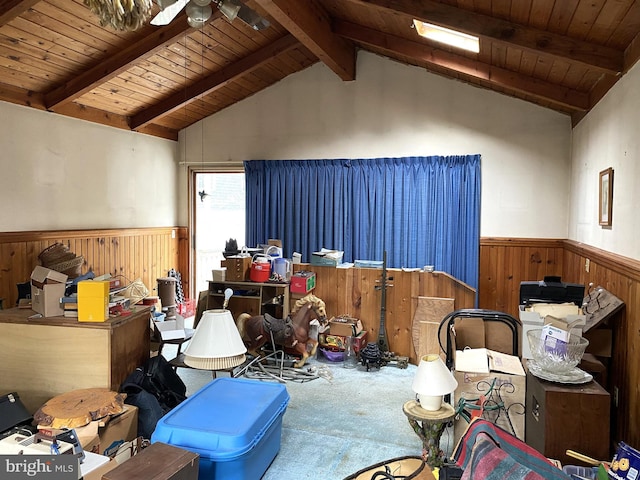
606 197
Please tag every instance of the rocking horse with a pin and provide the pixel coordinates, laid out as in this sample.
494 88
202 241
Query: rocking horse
291 333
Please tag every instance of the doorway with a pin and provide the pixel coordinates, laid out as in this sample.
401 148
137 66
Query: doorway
219 199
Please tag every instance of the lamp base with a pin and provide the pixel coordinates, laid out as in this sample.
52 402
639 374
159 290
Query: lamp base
429 425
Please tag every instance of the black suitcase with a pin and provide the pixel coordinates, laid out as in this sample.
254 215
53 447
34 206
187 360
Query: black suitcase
12 412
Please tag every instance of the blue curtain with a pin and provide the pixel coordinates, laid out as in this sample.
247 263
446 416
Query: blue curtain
421 210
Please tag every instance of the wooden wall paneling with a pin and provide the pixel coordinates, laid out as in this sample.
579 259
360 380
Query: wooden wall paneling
353 292
401 308
620 276
506 262
183 252
132 253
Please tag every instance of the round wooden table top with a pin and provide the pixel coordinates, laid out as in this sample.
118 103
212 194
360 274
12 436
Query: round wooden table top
413 410
77 408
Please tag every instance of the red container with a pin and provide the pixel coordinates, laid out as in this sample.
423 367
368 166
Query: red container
260 271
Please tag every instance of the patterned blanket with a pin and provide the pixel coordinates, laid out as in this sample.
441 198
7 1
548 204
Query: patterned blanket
487 452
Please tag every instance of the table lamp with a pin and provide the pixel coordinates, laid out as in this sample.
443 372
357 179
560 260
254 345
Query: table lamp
216 343
432 381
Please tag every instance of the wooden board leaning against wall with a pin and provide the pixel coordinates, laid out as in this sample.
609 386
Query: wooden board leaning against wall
352 292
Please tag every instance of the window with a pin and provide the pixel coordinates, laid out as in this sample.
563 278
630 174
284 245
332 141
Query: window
219 216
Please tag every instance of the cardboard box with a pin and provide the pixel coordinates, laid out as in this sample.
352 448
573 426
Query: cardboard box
159 461
338 341
346 327
47 288
302 282
329 258
171 329
219 274
95 466
533 320
510 388
122 427
93 301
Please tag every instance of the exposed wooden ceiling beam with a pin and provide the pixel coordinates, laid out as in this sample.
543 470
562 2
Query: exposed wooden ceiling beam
213 82
96 115
605 59
20 96
465 66
311 25
10 9
120 62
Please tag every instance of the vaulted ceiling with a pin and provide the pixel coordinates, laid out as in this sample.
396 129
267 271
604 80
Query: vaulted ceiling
54 54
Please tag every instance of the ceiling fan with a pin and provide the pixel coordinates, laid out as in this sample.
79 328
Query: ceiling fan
199 11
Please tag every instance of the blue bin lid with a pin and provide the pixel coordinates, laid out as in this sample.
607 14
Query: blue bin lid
224 419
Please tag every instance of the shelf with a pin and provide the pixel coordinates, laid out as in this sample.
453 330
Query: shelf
256 299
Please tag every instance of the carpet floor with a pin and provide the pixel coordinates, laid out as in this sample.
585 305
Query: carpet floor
339 423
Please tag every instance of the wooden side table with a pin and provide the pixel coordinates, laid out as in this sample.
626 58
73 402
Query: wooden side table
429 426
564 417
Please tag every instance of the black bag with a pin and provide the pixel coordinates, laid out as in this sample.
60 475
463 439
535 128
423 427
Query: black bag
158 378
155 388
163 382
12 412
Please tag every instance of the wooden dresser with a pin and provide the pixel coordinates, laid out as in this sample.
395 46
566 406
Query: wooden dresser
44 357
563 417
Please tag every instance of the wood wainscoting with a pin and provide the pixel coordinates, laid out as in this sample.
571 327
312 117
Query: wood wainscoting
505 262
352 292
144 253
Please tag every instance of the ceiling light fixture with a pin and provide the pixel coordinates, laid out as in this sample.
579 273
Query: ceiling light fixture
447 36
198 12
229 9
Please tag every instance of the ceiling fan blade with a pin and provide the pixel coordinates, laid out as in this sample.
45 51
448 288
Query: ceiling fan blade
169 13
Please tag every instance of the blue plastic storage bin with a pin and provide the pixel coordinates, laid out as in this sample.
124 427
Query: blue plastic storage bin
234 424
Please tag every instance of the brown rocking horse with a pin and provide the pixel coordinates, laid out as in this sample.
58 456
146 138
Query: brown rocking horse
291 332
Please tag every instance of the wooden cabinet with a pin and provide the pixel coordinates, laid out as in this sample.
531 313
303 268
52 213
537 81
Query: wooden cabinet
251 297
44 357
567 417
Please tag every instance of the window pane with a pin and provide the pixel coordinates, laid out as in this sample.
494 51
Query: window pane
219 216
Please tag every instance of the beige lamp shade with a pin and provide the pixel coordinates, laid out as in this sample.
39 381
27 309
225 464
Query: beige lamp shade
216 343
432 381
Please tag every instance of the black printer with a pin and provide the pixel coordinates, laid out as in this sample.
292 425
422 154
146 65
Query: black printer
551 290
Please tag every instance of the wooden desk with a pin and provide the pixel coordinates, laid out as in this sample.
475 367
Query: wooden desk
44 357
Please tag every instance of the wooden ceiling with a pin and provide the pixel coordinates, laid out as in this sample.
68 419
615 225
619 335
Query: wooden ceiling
560 54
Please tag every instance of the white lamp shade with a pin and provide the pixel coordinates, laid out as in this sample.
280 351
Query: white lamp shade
432 379
216 343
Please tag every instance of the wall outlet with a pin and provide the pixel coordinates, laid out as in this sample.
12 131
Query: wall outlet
173 235
587 264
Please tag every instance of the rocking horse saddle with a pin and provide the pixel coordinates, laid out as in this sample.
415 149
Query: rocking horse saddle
281 328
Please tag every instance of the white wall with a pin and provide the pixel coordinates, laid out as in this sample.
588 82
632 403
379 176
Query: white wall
608 137
63 173
392 110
